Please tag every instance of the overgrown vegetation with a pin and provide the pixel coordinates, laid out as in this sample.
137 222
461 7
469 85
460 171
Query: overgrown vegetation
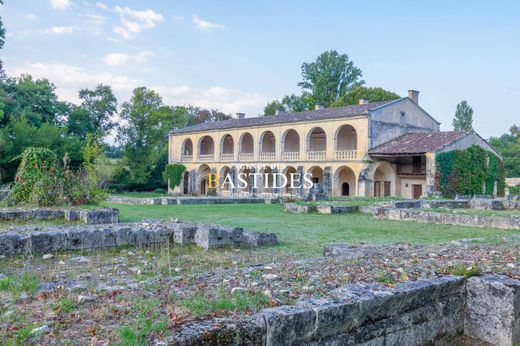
234 302
468 172
172 174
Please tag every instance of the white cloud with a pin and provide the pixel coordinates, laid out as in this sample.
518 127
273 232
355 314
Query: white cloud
121 58
101 6
95 18
70 79
31 16
60 4
61 30
205 25
217 97
133 21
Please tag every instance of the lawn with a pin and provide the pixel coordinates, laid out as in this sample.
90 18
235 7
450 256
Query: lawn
303 235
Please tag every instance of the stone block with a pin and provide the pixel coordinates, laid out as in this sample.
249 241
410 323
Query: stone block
184 234
209 236
49 241
100 216
493 309
256 239
72 215
288 325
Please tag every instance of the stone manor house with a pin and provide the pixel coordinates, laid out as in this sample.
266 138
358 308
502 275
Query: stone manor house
370 149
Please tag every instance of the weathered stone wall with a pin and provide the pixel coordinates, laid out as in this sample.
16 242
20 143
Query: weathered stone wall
96 216
25 240
423 312
418 215
298 208
188 200
336 209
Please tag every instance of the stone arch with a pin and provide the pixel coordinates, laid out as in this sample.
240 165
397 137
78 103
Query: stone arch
267 142
345 182
187 147
247 172
383 179
247 143
267 177
291 141
227 144
317 174
206 146
345 138
316 139
202 179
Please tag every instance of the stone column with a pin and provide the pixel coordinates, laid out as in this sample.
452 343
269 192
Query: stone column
430 174
234 179
299 190
192 181
252 189
213 191
327 181
276 181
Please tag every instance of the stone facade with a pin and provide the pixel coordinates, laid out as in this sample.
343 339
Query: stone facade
31 239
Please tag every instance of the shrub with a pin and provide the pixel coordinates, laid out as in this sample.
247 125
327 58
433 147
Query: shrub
162 191
39 179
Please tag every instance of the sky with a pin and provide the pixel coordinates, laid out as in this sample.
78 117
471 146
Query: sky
236 56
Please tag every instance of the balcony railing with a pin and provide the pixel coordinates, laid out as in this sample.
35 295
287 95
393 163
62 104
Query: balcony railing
346 154
227 157
291 155
246 156
316 155
267 156
207 157
186 158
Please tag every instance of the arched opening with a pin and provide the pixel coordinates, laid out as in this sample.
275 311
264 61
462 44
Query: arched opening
187 150
266 180
245 174
185 183
346 143
227 148
316 144
267 146
345 182
384 181
317 174
225 178
247 147
206 148
291 145
202 179
289 187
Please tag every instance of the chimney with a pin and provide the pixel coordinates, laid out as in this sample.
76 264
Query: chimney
414 95
363 101
241 115
279 112
318 107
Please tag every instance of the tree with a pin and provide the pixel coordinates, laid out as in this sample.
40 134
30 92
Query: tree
272 107
508 145
330 77
295 103
361 92
2 39
197 115
145 135
463 119
101 105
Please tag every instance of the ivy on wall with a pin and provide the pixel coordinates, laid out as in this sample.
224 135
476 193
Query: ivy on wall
471 171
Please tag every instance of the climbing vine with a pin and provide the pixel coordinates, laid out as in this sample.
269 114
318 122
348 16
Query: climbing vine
469 172
172 174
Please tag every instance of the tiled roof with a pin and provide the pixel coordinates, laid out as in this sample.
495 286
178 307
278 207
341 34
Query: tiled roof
418 143
326 113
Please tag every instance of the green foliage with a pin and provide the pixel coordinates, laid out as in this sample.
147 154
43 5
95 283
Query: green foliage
200 305
331 76
26 282
468 172
39 179
360 92
272 107
514 190
463 120
172 174
197 115
467 272
508 145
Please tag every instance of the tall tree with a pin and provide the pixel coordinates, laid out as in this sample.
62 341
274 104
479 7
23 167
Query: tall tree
508 145
197 115
272 107
145 134
361 92
101 105
463 119
330 77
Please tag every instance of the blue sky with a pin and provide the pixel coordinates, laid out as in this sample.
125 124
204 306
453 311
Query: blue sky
238 55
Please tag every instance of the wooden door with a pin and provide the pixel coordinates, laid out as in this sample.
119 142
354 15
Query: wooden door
417 191
377 189
203 187
387 188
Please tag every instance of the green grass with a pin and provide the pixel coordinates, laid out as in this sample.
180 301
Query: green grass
305 234
140 194
483 212
15 285
237 302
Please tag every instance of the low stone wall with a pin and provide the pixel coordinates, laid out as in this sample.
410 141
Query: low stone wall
424 312
26 240
188 200
337 209
418 215
474 203
95 216
298 208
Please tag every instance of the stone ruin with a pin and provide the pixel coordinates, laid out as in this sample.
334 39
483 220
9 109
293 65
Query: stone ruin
37 239
95 216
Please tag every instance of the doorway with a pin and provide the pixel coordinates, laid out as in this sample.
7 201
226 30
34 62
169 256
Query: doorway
203 186
185 183
345 189
417 191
